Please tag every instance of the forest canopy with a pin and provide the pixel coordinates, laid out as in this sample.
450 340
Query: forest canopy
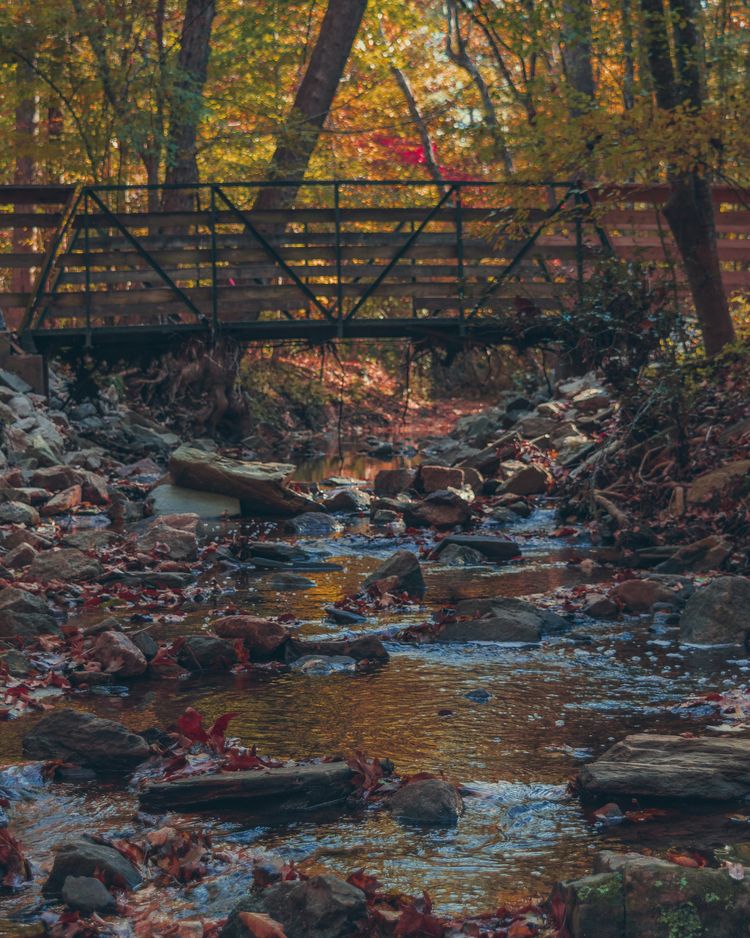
464 89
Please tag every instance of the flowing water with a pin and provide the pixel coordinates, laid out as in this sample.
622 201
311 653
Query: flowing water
547 710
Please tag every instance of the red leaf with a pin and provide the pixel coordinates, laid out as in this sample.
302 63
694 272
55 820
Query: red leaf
692 859
190 724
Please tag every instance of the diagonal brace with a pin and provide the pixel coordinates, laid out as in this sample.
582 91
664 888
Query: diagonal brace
520 255
273 253
401 252
135 243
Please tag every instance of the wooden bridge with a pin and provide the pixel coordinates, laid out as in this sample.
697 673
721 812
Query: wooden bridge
353 258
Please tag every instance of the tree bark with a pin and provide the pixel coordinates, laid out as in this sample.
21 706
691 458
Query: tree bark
576 53
187 102
424 134
313 101
689 209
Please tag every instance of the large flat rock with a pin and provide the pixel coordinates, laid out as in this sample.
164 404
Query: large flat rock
672 767
174 499
288 788
260 487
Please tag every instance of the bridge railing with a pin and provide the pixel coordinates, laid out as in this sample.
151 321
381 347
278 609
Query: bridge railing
322 258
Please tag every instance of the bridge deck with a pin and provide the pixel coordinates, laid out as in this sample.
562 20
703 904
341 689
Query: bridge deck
453 260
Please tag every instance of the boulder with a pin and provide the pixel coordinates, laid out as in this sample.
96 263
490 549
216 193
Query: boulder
497 549
260 487
590 400
67 565
20 556
645 897
511 608
443 510
169 499
530 480
289 788
392 482
63 502
455 555
87 894
641 595
348 500
206 653
428 801
117 654
320 907
360 648
290 581
438 478
717 614
709 553
85 739
403 573
83 857
173 534
261 637
490 629
711 484
17 512
707 769
313 524
600 607
24 614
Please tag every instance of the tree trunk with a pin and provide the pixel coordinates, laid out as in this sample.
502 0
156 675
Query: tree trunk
424 134
576 53
689 210
187 102
313 101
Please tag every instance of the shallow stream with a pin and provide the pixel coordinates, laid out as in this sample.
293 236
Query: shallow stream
548 709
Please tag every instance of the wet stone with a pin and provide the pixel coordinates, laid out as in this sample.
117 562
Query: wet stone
85 739
403 569
206 653
429 801
87 894
84 858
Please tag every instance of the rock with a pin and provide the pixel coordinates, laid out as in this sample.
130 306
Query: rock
176 537
260 487
18 513
497 549
87 894
279 790
385 516
24 615
711 484
85 739
600 607
83 858
206 653
94 488
16 534
348 500
20 556
320 907
590 400
323 664
169 499
403 568
145 643
717 613
392 482
455 555
117 654
531 480
277 551
429 801
261 637
67 565
640 595
646 897
707 769
442 510
437 478
312 524
490 629
63 502
510 607
364 647
709 553
18 665
473 479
